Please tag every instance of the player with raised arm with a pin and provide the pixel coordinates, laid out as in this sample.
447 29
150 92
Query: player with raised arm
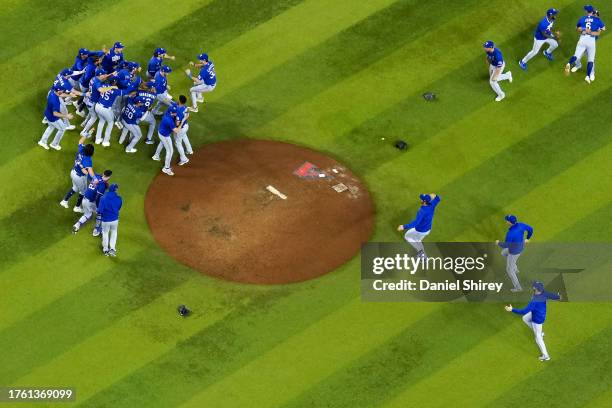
156 61
80 172
534 315
420 227
206 81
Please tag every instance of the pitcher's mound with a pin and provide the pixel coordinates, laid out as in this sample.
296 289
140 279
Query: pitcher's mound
218 215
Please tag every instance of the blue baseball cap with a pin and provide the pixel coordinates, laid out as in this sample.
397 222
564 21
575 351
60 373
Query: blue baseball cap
552 12
589 9
425 197
118 44
537 285
488 44
172 109
139 99
203 57
66 71
511 219
83 51
166 69
58 88
100 71
113 187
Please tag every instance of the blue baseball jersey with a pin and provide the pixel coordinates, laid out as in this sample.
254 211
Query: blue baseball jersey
134 83
132 113
109 206
537 307
593 23
79 65
94 87
123 78
53 105
112 60
167 124
81 161
495 57
108 98
182 112
515 237
543 31
95 189
160 83
424 217
207 74
90 71
154 65
62 82
148 97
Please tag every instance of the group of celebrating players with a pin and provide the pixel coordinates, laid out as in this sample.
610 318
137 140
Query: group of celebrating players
590 27
107 89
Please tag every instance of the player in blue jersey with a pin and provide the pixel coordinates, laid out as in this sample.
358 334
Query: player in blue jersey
84 82
167 126
543 35
95 189
161 89
146 91
181 140
113 58
132 113
206 81
420 227
108 210
496 64
54 118
513 246
104 110
81 170
534 315
155 63
97 86
590 28
62 80
578 63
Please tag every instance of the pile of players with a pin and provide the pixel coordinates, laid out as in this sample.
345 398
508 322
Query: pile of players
108 90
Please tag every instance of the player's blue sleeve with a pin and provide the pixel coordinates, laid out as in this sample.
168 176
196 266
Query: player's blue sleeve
552 296
415 222
96 54
529 230
435 201
101 203
503 244
530 306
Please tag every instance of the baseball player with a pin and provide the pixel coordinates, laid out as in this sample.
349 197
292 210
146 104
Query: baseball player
83 66
513 246
147 93
206 81
420 227
496 69
55 119
156 61
108 210
578 63
543 35
113 58
130 117
534 315
97 86
95 190
161 89
181 137
590 27
81 170
104 111
167 126
63 81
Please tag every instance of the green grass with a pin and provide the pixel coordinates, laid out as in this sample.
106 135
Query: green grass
336 76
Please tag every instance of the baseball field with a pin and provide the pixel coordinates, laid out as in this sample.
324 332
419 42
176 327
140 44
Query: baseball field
337 77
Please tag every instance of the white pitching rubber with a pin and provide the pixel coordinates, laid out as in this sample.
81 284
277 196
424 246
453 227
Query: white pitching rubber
276 192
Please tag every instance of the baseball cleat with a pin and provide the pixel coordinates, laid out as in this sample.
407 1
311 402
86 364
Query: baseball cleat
500 98
544 358
200 99
55 147
96 232
70 127
75 229
119 125
194 110
183 162
77 209
64 203
592 77
43 145
548 56
576 68
168 171
523 65
98 141
156 158
190 153
131 150
568 68
106 253
45 121
510 79
106 144
587 79
150 142
112 252
80 113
